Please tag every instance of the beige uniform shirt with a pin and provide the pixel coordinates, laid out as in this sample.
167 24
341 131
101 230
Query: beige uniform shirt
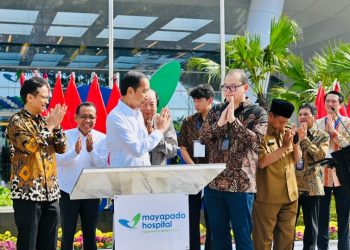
276 183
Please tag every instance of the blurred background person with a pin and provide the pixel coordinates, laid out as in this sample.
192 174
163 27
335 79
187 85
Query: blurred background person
167 147
195 153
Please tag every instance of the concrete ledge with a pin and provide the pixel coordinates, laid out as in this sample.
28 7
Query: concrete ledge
6 209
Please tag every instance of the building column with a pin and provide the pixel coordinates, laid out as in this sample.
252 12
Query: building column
261 13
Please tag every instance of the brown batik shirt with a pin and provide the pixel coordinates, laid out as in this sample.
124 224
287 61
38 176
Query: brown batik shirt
189 133
33 158
241 156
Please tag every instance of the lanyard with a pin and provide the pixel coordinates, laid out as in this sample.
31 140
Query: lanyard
198 124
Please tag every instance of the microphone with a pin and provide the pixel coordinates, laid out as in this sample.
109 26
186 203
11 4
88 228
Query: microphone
347 131
296 138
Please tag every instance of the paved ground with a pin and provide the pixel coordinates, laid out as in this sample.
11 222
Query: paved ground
299 245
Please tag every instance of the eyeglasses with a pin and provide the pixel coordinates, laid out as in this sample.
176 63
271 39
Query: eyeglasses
85 117
231 87
44 97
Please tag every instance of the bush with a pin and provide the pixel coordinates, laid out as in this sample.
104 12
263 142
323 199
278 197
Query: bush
5 199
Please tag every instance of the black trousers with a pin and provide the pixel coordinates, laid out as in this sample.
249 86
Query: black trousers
311 208
195 204
36 223
342 205
70 210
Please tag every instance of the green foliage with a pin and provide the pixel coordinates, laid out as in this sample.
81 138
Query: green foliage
333 213
247 52
5 199
330 65
177 123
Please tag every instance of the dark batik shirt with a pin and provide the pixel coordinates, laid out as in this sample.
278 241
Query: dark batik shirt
189 132
241 157
33 157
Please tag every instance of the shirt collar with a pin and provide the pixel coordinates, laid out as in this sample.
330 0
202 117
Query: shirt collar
271 130
312 129
30 115
126 109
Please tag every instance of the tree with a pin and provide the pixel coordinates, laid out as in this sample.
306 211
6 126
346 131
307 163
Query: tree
246 52
330 65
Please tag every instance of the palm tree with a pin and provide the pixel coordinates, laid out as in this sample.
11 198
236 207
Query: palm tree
330 65
246 52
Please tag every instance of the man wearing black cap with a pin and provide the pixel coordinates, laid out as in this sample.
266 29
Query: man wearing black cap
275 206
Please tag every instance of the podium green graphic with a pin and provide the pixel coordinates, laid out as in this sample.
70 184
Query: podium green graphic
151 203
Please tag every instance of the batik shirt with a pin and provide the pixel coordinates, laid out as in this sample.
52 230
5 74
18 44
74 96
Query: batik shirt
189 133
241 156
336 142
314 148
33 159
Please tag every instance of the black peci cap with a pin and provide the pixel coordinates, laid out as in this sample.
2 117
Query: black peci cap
282 108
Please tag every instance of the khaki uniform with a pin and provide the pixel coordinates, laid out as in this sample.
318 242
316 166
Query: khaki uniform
276 205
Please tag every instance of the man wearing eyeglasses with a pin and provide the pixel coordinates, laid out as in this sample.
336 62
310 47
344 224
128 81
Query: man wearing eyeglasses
314 145
86 148
34 140
233 131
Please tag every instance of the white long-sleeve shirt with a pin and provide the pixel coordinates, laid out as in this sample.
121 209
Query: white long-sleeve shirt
127 139
70 164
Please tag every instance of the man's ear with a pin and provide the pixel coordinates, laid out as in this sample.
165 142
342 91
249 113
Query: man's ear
29 98
130 91
246 87
210 100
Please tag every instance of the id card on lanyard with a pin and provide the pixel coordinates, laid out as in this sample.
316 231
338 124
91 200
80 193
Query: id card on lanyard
198 147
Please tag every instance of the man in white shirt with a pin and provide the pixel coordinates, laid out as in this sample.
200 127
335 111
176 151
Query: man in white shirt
86 148
167 147
127 138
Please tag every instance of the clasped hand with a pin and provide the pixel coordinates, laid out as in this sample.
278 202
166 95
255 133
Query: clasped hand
228 115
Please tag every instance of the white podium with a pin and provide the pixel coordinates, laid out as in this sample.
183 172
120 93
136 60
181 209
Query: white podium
151 203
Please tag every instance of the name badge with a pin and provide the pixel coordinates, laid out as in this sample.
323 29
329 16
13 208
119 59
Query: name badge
198 149
300 165
225 144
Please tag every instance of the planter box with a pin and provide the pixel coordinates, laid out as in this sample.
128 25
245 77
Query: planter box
104 223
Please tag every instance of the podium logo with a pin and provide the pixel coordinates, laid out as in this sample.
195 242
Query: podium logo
131 224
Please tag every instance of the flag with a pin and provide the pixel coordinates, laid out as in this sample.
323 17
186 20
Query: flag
22 79
72 99
58 98
113 97
95 97
319 102
342 110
